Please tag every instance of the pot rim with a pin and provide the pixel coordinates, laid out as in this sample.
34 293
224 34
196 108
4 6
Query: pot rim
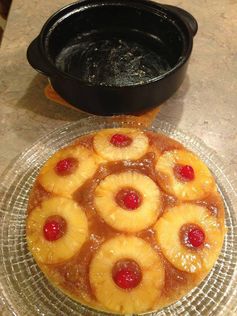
147 5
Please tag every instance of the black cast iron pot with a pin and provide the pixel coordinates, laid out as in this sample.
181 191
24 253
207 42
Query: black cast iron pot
115 56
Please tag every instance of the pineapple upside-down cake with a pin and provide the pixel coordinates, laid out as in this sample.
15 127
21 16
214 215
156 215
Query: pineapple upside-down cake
125 220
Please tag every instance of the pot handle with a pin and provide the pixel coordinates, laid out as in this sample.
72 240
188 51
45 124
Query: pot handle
35 58
187 17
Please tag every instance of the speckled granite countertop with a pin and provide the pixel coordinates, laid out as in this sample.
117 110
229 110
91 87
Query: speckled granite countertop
206 104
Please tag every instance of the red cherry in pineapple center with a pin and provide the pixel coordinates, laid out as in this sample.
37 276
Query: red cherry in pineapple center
120 140
66 166
196 237
54 228
128 199
127 275
126 279
185 173
131 200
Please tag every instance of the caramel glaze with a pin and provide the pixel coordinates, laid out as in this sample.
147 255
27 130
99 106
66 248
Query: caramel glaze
37 196
73 275
183 235
163 142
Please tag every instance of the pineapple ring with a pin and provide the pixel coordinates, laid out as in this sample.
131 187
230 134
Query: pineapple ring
139 299
168 236
198 188
66 185
116 216
62 249
135 150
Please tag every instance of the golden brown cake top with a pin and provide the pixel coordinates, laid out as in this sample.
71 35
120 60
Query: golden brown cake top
125 220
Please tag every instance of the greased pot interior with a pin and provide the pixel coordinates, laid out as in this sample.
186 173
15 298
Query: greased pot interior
115 57
114 45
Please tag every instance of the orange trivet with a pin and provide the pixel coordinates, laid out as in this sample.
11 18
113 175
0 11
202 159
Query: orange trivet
144 118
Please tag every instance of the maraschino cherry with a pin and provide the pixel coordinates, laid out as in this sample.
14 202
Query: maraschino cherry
66 166
120 140
127 274
126 279
128 199
53 229
131 200
185 173
196 237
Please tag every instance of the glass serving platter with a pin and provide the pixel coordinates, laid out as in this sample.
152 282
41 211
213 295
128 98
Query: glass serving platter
24 289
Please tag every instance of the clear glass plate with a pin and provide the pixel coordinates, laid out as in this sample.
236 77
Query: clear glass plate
25 290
